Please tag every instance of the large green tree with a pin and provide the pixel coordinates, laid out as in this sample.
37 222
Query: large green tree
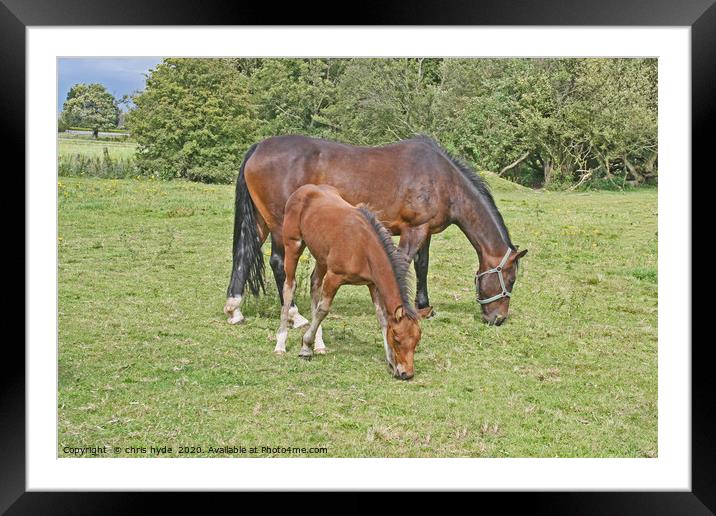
291 95
383 100
194 119
556 122
92 106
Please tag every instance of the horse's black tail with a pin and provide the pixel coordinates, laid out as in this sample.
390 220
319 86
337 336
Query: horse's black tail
248 264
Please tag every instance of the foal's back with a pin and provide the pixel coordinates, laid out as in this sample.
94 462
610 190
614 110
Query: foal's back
335 232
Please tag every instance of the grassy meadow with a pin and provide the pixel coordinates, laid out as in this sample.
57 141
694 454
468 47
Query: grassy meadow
72 145
146 357
82 156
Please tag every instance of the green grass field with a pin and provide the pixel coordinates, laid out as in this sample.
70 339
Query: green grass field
73 145
146 357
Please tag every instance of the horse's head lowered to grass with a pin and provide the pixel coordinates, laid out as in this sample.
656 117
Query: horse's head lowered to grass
494 284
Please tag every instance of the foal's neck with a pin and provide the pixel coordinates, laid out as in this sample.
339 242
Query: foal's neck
480 226
384 279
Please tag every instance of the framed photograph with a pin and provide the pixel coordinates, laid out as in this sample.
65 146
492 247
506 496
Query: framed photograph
470 165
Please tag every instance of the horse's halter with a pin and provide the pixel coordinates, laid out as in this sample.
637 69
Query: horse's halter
497 270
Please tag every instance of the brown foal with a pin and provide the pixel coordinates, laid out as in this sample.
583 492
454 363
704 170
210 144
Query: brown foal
351 248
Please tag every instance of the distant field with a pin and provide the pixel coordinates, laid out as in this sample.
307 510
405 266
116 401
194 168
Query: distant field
90 148
146 356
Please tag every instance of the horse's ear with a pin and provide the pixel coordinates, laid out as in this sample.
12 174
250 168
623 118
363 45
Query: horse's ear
521 254
398 313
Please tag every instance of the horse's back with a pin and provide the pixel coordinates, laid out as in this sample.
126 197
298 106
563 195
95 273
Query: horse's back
394 179
294 143
289 153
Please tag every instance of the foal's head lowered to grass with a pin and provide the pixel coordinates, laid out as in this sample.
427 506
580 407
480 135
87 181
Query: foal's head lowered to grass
403 331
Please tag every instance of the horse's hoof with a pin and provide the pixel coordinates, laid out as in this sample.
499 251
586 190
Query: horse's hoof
299 321
320 351
426 312
236 320
296 318
279 352
231 308
305 354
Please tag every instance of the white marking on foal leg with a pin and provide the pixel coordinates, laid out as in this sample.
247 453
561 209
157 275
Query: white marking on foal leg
298 319
231 308
319 347
282 334
281 338
309 338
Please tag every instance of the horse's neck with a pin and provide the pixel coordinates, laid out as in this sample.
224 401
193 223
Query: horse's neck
384 279
479 226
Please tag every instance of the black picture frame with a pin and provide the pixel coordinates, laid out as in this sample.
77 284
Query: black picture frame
700 15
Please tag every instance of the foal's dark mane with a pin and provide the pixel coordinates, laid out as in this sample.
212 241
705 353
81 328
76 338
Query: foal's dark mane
477 183
398 260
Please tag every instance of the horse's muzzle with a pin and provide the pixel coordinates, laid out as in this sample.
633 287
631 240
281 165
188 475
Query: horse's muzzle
496 319
399 373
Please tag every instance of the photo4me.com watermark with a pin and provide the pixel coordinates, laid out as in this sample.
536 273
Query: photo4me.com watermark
158 451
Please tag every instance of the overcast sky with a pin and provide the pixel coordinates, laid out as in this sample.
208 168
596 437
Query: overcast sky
120 75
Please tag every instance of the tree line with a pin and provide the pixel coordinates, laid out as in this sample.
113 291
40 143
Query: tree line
557 123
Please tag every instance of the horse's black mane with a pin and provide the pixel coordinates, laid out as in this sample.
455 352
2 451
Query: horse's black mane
476 181
399 261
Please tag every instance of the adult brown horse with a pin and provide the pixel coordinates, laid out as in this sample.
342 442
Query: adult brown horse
415 187
351 247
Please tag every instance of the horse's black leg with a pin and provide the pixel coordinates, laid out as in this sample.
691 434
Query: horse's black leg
276 262
279 274
422 259
239 276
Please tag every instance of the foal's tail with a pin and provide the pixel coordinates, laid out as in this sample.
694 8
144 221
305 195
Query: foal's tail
248 264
